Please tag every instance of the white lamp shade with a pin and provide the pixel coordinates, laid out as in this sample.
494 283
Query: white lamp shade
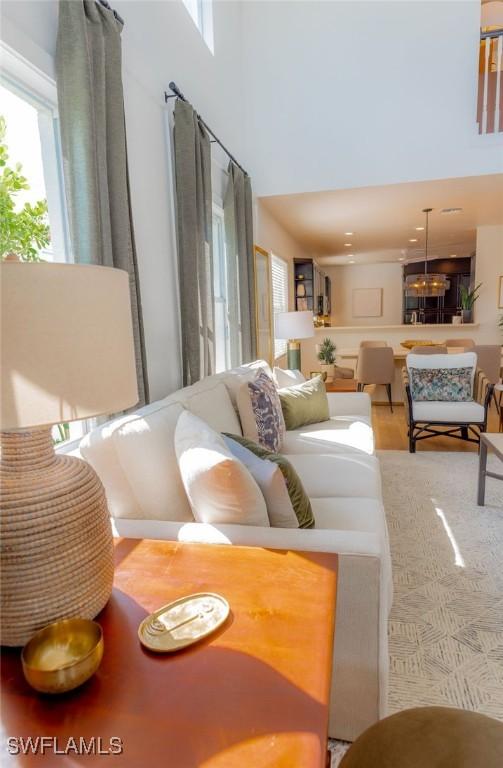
67 343
294 325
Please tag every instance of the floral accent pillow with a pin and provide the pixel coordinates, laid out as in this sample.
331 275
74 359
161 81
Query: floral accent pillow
260 412
449 384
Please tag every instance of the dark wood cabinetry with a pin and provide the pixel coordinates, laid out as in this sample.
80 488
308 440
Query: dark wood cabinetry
312 290
438 309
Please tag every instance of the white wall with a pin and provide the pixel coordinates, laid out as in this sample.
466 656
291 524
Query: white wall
160 44
346 278
488 269
349 94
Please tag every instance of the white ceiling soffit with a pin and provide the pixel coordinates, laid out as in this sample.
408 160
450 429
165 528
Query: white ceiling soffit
384 220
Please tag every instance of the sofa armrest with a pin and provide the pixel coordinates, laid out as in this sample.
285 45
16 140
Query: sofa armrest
350 404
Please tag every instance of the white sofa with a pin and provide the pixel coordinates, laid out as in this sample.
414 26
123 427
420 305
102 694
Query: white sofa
134 457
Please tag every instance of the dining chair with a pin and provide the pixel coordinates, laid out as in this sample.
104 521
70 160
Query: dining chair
489 361
429 350
373 344
376 365
466 343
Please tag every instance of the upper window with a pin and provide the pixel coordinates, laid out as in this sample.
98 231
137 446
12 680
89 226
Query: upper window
202 16
31 140
279 272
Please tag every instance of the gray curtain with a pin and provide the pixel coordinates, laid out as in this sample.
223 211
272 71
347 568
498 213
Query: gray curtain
93 136
195 244
239 242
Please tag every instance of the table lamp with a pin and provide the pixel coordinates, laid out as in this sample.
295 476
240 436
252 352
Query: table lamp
293 326
67 353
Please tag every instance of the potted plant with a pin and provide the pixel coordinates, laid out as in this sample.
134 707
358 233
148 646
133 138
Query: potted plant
326 356
25 230
468 298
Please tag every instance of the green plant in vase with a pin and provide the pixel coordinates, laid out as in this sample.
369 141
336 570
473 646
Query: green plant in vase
326 356
468 298
24 232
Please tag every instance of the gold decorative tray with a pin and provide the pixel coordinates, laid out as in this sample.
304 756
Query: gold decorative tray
183 622
409 343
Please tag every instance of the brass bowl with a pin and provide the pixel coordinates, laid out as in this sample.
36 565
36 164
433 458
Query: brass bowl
63 655
409 343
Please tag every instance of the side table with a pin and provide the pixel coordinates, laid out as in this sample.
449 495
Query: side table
494 442
255 693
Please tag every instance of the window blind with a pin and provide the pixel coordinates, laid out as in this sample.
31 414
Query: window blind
279 272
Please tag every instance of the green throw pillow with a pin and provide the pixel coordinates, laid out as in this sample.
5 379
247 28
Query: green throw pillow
305 403
298 497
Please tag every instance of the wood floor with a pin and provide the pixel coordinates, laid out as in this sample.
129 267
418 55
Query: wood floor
390 431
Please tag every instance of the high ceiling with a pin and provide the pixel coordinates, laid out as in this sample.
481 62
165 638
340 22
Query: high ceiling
384 220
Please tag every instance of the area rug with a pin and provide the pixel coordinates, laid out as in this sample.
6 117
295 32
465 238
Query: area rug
446 624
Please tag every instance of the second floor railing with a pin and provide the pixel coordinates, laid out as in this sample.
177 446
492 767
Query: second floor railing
490 95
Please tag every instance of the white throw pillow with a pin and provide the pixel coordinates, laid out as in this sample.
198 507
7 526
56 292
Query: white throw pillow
219 487
286 378
271 482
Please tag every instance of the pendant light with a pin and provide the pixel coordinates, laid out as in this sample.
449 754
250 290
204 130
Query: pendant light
427 283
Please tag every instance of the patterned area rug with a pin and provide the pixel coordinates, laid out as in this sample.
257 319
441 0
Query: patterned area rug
446 624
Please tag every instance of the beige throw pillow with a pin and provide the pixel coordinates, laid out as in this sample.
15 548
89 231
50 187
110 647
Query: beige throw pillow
219 487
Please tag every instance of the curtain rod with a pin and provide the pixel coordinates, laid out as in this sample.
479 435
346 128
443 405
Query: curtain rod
107 5
178 94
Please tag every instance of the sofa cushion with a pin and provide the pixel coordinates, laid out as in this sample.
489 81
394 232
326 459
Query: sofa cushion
304 403
219 487
287 378
340 434
288 504
450 413
135 459
260 412
338 475
212 404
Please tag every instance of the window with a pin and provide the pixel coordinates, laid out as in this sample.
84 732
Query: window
222 335
227 310
32 140
201 12
279 271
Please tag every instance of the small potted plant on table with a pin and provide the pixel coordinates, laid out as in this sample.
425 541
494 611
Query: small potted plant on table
326 356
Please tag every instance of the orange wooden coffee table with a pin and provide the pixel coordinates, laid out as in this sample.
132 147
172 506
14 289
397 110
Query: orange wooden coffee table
253 694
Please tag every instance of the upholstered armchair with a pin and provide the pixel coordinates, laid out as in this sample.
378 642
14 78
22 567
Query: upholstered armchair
462 414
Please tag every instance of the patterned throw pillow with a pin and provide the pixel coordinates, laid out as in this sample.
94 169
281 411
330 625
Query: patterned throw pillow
260 412
448 384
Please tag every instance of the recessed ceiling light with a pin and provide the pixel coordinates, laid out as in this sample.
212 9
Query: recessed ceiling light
412 239
419 229
351 261
348 245
348 234
453 255
402 258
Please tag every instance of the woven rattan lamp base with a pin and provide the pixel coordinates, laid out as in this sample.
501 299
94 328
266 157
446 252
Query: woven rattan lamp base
56 539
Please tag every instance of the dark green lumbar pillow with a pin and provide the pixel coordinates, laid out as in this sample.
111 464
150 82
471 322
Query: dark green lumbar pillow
298 497
305 403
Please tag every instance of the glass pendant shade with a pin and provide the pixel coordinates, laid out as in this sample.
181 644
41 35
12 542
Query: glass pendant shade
428 283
